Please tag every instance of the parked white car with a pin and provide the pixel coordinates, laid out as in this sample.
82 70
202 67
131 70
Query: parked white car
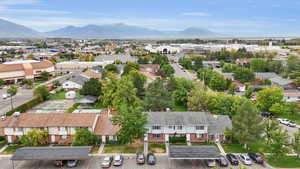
245 159
287 122
210 163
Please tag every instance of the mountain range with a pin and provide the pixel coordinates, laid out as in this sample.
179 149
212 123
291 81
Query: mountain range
111 31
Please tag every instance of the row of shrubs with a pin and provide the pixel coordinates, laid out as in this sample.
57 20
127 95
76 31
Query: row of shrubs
26 106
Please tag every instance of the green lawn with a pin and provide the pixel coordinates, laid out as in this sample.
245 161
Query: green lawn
121 148
180 108
11 149
157 148
286 162
233 148
58 95
95 149
204 144
237 148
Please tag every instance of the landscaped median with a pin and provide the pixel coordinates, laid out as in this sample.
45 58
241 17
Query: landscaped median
123 148
11 149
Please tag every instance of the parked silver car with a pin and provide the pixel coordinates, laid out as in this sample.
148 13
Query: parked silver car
245 159
106 163
118 160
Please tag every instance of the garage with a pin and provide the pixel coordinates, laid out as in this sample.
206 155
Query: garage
51 153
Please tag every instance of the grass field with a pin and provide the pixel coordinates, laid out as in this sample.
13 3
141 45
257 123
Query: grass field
121 148
11 149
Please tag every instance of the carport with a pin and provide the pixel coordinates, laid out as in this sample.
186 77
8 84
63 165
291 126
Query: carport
193 153
51 153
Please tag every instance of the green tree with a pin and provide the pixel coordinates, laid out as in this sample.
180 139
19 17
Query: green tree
130 66
84 137
232 89
198 99
12 90
247 125
109 87
158 98
160 59
56 83
91 87
129 117
139 80
284 108
249 93
293 64
167 70
244 75
35 137
182 89
259 65
279 144
269 96
270 125
2 82
275 66
111 68
44 75
41 91
296 143
28 83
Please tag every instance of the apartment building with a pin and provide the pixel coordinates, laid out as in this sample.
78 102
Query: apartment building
195 126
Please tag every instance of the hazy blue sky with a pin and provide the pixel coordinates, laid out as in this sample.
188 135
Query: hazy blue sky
234 17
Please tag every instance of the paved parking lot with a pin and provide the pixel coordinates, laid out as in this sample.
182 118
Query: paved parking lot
129 163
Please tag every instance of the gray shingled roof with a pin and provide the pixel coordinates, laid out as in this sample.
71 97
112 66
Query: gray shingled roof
265 75
216 123
176 118
280 81
79 79
194 152
52 153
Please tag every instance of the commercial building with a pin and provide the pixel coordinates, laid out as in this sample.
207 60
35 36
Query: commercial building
25 69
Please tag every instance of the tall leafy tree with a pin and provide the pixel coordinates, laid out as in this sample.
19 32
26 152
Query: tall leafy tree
130 66
183 87
108 89
247 125
158 98
279 144
243 75
41 91
129 117
91 87
269 96
167 70
198 99
12 90
139 80
296 143
270 125
259 65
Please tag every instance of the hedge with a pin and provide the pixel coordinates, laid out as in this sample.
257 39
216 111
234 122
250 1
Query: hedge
26 106
177 139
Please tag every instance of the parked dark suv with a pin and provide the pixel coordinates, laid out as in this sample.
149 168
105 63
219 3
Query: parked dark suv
232 159
267 114
257 158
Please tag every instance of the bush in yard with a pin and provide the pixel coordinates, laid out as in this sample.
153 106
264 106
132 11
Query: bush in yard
177 139
42 91
35 137
84 137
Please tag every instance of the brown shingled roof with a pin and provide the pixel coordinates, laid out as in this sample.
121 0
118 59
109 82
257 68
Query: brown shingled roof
11 67
51 120
42 65
104 125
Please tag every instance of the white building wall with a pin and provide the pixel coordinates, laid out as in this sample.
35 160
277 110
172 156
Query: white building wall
11 75
71 85
291 99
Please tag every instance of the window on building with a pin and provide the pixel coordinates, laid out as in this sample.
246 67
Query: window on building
62 129
199 135
156 135
179 127
171 127
156 127
18 129
199 127
64 137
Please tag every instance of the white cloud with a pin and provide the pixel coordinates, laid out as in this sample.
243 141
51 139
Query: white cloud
195 14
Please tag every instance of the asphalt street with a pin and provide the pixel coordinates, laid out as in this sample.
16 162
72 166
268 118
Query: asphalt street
179 72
